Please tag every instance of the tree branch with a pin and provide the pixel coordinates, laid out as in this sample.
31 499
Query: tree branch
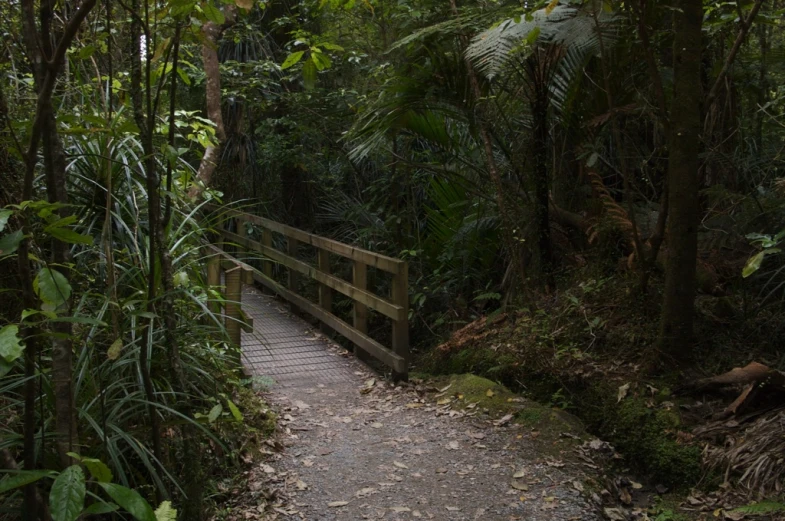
743 30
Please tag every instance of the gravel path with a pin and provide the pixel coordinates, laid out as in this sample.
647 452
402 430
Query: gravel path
365 449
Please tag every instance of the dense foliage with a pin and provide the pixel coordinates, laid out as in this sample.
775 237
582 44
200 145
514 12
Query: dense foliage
507 150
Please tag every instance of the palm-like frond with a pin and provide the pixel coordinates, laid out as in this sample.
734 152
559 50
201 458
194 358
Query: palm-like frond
575 30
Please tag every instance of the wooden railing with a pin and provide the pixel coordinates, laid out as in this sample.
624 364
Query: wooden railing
395 306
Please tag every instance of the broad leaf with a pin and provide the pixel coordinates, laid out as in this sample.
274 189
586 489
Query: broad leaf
292 59
309 74
67 496
52 287
212 13
754 263
25 477
100 508
234 410
9 243
244 4
4 216
11 346
215 412
130 501
5 367
98 469
67 235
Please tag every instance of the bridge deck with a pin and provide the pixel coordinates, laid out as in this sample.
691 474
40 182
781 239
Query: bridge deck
285 348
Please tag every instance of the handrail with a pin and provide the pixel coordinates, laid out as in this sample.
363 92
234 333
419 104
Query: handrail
369 258
395 307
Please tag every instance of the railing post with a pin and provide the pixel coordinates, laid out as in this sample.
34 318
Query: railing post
267 266
325 293
400 328
233 323
360 311
213 277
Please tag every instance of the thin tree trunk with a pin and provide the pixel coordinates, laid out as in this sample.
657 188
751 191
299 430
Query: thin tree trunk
212 69
47 63
193 507
153 213
676 333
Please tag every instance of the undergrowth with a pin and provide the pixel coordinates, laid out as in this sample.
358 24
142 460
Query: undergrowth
575 350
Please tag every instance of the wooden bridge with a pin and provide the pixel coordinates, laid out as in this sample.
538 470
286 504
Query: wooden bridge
252 252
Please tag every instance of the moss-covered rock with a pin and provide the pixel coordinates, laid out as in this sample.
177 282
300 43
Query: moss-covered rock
470 392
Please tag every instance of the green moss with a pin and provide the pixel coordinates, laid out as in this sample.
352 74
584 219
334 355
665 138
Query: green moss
476 392
531 416
646 436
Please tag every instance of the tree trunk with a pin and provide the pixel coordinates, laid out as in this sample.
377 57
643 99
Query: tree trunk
212 69
676 332
539 107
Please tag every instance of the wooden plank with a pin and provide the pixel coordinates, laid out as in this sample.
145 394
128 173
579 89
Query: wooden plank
363 341
370 258
400 328
370 300
267 241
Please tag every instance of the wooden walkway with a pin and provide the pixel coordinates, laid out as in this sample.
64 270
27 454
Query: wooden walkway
281 346
284 351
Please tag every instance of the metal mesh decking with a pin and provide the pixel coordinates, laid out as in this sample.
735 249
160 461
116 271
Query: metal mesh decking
285 348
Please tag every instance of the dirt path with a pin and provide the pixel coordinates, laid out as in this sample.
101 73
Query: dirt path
354 451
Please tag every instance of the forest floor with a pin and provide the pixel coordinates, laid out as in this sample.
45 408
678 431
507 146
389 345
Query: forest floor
363 448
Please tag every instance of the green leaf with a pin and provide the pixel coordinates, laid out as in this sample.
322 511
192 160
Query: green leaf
67 235
5 367
292 59
165 512
100 508
754 263
234 410
10 242
86 52
4 216
331 46
183 76
67 496
24 477
322 61
309 74
113 353
98 469
11 346
52 287
212 13
215 412
130 500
